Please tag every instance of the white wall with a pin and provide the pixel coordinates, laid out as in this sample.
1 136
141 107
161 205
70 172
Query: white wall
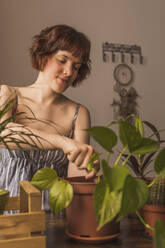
131 22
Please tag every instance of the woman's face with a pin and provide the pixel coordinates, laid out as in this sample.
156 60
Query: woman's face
61 70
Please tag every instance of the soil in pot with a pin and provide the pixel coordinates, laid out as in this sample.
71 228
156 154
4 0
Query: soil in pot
81 216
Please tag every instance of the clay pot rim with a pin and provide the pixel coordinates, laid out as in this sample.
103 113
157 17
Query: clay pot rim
154 208
81 180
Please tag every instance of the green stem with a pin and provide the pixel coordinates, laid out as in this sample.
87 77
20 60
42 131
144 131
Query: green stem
143 222
159 131
125 161
108 156
120 155
154 181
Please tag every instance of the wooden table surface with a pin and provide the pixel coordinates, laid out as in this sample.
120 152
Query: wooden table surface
132 235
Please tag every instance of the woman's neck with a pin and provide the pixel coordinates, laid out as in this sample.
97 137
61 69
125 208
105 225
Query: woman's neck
44 92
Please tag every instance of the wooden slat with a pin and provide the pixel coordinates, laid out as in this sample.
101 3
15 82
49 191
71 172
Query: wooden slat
22 223
30 197
16 229
32 242
13 203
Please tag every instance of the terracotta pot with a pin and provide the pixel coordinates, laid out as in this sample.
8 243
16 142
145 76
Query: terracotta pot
151 213
81 216
4 195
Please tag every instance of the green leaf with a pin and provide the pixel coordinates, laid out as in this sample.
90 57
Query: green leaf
129 136
153 128
135 195
106 203
44 178
93 158
146 146
139 126
159 234
114 176
159 165
105 136
60 195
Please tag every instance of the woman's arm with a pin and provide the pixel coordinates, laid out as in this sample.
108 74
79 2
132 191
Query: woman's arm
76 149
12 134
83 122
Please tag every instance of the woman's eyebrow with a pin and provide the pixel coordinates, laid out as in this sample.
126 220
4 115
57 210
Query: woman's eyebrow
66 57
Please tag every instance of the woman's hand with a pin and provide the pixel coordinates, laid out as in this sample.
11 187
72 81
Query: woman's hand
79 154
95 170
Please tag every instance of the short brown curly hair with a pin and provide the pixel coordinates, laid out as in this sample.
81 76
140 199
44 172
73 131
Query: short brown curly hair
61 37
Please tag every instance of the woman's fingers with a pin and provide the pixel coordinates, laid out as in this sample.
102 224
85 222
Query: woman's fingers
96 168
90 175
87 158
72 156
96 165
81 157
80 154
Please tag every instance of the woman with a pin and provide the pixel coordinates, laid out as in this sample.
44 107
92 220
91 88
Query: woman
61 55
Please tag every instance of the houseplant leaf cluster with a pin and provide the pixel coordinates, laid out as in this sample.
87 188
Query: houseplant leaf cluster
140 164
61 191
132 193
117 192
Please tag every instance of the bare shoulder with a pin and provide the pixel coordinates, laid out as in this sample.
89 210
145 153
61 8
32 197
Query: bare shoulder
6 89
84 112
83 118
7 92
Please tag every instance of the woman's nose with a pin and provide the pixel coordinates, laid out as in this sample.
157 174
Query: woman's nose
68 70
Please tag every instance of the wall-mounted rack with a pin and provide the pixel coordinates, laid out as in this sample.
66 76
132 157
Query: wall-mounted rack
132 50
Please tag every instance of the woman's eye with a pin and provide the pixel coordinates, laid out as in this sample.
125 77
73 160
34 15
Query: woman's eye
76 67
61 61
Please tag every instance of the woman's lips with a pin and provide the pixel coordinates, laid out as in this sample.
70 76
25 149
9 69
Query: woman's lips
64 80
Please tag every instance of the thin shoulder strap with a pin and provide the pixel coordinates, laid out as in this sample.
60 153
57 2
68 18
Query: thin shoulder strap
75 118
16 97
75 115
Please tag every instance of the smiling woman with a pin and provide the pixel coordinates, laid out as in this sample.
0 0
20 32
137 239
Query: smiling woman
61 55
62 70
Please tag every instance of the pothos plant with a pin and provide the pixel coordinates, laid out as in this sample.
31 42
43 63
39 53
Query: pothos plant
140 164
117 193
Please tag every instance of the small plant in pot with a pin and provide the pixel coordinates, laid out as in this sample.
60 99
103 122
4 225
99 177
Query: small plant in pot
117 193
155 207
141 165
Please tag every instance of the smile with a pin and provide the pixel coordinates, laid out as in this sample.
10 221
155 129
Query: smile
63 80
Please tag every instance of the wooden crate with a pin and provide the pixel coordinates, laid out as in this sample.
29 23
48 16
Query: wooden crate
26 228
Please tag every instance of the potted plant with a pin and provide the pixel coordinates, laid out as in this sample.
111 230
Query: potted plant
117 193
155 207
6 138
142 165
